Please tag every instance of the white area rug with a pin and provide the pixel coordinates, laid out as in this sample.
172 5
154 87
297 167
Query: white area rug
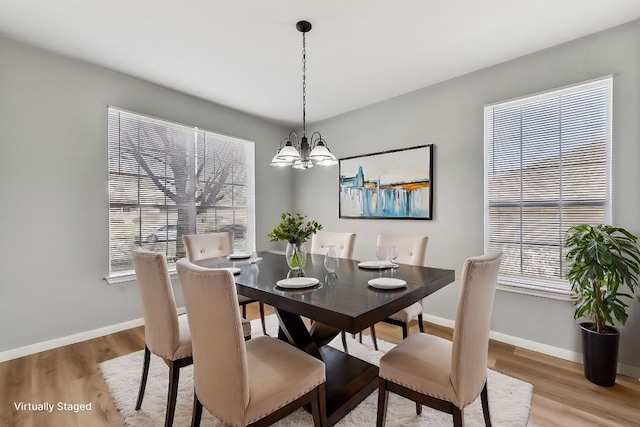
509 398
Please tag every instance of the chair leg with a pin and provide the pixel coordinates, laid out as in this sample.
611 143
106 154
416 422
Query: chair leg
344 342
197 411
420 323
174 376
244 311
458 416
418 408
145 374
264 324
484 397
319 407
315 408
373 337
383 396
405 331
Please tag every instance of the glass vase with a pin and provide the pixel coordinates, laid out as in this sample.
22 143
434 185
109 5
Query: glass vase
296 256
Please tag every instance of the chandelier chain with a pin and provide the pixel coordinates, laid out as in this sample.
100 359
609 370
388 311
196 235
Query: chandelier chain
304 85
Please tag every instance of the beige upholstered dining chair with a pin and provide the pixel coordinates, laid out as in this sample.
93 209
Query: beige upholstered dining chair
251 383
166 334
343 242
439 373
411 251
208 245
212 245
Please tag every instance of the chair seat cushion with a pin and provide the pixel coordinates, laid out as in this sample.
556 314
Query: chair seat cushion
278 374
184 348
406 315
421 363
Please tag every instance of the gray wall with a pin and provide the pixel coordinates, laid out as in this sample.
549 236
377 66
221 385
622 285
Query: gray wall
53 188
450 115
53 179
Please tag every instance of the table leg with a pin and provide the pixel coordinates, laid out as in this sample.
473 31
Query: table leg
323 334
293 330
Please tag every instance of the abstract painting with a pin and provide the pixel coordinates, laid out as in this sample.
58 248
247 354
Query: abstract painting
395 184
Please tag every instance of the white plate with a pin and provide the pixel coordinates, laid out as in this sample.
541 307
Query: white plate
239 255
233 270
376 265
387 283
297 282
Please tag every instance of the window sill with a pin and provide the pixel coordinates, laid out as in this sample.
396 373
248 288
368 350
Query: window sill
536 290
130 276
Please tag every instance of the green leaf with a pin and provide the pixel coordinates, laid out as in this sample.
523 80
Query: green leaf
293 229
602 258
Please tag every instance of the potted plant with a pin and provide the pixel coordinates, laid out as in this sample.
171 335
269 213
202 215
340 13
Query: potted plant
293 229
605 265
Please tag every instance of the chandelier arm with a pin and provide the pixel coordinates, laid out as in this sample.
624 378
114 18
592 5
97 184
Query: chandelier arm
293 138
315 140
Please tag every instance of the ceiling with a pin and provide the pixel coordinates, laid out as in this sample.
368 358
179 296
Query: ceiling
247 54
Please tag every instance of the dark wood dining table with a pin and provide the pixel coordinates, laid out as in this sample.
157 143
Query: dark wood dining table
343 301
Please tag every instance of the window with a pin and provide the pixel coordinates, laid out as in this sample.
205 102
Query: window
167 180
547 168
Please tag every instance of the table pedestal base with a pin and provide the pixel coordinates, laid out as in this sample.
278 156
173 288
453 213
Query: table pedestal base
349 381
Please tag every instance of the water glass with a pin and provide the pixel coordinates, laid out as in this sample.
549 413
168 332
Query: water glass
393 254
331 261
382 252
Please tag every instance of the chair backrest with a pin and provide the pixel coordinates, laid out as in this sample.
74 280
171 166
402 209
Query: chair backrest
342 241
219 355
473 322
208 245
161 331
411 249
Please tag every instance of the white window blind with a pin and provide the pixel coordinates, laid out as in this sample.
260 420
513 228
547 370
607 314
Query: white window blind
547 168
167 180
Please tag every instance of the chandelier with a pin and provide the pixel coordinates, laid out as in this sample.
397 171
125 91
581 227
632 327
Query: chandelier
302 154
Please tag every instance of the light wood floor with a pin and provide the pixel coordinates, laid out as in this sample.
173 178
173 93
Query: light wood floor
562 396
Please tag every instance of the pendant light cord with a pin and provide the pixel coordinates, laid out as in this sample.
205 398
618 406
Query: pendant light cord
304 85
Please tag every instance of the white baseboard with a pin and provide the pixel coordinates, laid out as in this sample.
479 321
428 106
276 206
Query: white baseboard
627 370
72 339
561 353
